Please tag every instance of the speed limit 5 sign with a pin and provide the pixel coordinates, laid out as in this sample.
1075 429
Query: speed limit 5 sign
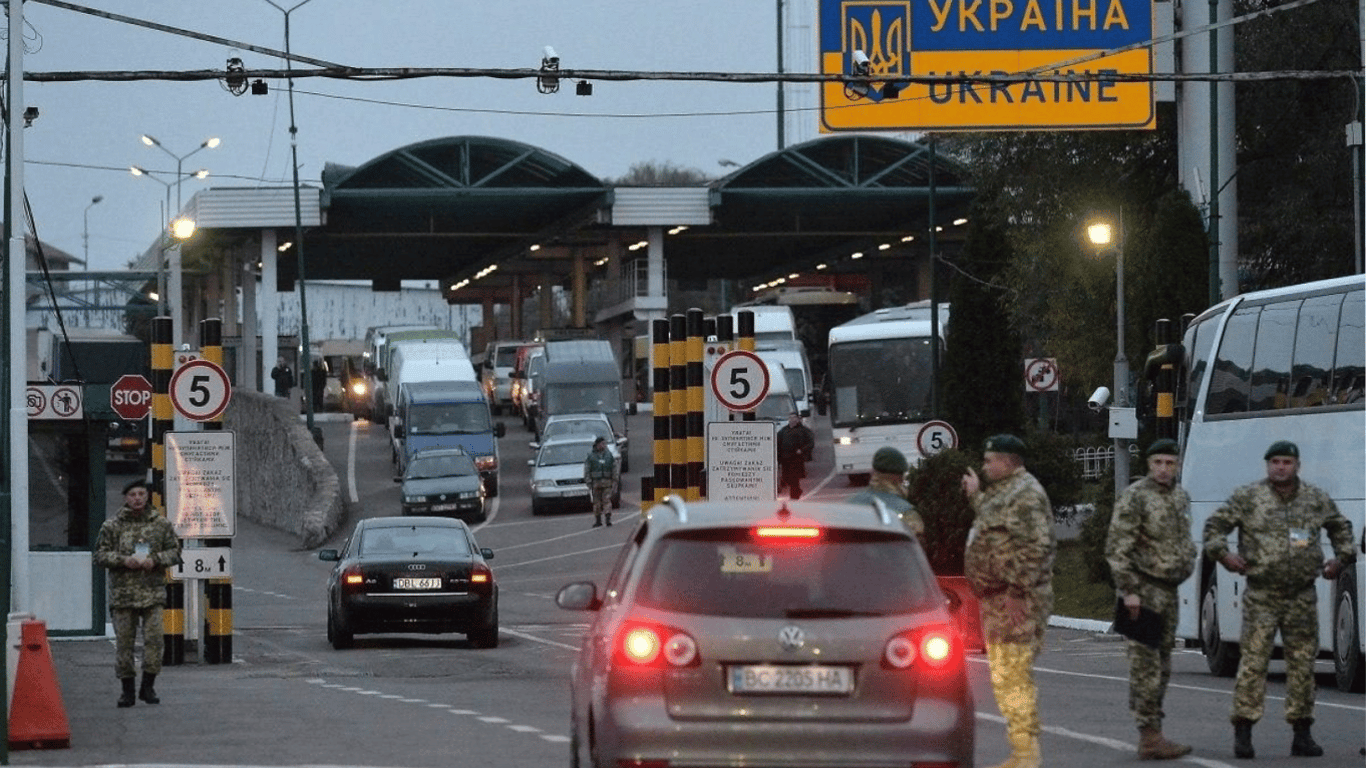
200 390
739 379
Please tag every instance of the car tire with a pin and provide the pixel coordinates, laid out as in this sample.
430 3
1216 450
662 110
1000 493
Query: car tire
625 464
536 509
491 490
1220 656
338 634
487 635
1347 661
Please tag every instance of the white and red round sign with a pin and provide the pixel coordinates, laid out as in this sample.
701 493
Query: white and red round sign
1041 374
200 390
935 436
131 397
740 380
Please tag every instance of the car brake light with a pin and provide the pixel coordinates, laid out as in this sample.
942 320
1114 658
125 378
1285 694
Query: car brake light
933 647
646 644
481 575
787 532
352 577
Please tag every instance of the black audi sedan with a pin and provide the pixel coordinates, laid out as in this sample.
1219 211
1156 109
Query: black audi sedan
411 575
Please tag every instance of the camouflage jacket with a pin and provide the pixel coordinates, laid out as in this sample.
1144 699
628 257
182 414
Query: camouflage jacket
1011 546
895 500
1279 538
599 466
1150 537
119 538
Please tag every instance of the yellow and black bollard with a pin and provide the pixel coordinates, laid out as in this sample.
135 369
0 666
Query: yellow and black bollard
660 353
217 592
695 421
163 421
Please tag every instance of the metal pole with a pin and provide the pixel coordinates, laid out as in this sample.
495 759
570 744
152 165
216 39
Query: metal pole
782 142
85 229
1121 362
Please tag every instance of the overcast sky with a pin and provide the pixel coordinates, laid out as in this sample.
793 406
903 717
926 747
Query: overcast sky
87 134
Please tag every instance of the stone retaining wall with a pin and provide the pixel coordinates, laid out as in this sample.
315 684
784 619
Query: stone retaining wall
283 479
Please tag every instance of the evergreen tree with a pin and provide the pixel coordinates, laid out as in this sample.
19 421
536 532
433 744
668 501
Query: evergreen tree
983 372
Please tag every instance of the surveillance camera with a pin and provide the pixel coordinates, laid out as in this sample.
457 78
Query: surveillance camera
548 55
1098 398
861 63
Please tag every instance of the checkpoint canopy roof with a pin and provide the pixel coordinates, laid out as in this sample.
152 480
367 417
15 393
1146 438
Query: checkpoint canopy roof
447 208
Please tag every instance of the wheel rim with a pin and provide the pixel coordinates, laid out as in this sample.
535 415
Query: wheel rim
1345 631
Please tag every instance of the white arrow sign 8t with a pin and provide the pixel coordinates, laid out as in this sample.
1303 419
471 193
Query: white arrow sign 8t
204 563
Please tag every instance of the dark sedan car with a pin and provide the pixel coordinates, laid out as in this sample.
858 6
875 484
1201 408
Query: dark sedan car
411 574
443 481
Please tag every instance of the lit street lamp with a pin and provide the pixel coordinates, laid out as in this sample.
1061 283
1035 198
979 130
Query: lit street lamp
85 231
180 160
1123 425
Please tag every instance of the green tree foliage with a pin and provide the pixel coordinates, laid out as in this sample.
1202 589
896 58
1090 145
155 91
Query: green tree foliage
935 487
983 373
1296 214
657 174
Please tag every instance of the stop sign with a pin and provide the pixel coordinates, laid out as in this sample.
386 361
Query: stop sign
131 397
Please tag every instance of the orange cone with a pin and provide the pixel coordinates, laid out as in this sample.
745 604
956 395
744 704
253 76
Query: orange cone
37 716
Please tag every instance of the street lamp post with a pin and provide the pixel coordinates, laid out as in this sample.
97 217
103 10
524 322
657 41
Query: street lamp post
85 230
1102 234
305 363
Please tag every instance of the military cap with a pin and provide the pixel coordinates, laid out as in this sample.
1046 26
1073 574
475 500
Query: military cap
138 483
1166 446
1005 444
1283 448
889 460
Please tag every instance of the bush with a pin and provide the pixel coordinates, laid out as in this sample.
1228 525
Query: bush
1096 528
935 487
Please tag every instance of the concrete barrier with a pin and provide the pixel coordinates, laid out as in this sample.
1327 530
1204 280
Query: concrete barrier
283 479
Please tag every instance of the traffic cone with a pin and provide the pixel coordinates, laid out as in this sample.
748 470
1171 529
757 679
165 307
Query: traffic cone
37 716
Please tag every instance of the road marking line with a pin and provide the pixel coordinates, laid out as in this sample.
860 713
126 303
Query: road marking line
536 639
351 463
1102 741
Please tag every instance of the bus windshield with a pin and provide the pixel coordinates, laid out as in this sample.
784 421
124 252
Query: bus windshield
880 381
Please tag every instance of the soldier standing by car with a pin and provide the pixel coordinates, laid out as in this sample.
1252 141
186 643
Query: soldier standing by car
1009 566
1278 521
888 485
1150 553
137 547
600 473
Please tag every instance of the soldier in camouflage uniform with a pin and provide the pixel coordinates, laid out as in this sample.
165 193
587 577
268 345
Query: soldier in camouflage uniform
137 547
1009 566
600 474
1278 521
888 485
1150 553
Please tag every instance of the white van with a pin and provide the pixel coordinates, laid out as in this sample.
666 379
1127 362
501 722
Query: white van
791 356
425 360
772 323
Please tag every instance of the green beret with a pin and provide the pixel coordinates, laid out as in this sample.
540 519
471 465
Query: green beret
1166 446
889 460
138 483
1283 448
1006 444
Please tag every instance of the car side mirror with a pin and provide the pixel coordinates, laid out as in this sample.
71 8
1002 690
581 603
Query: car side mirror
486 553
579 596
531 462
329 555
398 478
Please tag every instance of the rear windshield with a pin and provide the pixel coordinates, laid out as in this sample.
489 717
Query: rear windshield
414 540
726 572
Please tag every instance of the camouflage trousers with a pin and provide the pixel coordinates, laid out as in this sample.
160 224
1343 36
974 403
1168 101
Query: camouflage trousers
126 622
1295 614
601 491
1012 680
1151 668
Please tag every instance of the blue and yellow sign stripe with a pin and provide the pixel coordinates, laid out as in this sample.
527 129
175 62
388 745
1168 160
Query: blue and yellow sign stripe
981 38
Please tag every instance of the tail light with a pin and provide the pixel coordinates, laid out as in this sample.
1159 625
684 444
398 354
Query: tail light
352 578
934 647
647 644
481 577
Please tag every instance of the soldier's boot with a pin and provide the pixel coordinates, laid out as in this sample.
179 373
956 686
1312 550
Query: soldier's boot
609 518
1152 745
1242 739
1024 752
1304 744
597 520
146 692
126 700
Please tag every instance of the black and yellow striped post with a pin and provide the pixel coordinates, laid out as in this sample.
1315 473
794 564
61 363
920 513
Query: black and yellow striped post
217 592
744 321
659 332
1161 370
678 405
695 423
163 421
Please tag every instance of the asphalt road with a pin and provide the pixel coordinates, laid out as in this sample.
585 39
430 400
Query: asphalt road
415 701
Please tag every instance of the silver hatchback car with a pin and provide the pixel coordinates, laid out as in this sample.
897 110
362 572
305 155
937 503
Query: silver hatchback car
769 634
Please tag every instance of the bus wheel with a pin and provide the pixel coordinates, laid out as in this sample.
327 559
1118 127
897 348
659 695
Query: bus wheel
1347 662
1220 656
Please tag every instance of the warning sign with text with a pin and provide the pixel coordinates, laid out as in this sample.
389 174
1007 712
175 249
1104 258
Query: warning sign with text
200 489
741 461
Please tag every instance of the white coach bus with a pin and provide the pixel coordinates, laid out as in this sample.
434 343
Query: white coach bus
880 385
1283 364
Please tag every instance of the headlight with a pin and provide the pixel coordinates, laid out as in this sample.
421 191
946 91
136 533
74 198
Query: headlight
542 483
358 387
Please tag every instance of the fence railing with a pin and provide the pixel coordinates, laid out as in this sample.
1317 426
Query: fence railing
1097 460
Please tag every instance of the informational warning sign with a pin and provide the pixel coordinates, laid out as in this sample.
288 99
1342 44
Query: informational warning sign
54 401
742 457
200 487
